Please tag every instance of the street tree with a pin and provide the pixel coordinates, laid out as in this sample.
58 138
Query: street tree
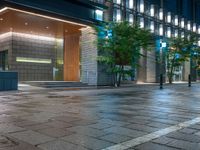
119 45
179 51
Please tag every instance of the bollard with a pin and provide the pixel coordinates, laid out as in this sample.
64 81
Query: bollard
161 81
189 80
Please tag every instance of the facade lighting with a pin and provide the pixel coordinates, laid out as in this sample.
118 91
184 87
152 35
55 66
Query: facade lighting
142 6
131 18
194 28
161 30
169 18
168 32
141 22
131 4
99 15
182 34
182 23
161 14
152 11
33 60
118 15
176 20
152 28
176 33
198 29
189 25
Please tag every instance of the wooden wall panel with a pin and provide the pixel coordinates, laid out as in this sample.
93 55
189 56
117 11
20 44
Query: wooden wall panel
72 58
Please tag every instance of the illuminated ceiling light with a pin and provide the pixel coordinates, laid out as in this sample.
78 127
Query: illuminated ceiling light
182 23
176 20
142 6
3 9
1 19
26 23
11 29
39 15
160 29
161 14
194 28
189 25
118 1
169 18
152 11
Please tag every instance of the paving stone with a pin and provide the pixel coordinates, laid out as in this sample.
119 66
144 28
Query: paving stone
60 145
37 126
84 130
158 125
100 126
8 128
188 131
88 142
163 140
144 128
31 137
153 146
185 137
58 124
55 132
115 138
182 144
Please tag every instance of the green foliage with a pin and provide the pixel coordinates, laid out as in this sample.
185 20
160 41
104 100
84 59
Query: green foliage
180 50
119 44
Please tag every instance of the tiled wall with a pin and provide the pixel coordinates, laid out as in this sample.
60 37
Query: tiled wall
88 57
32 47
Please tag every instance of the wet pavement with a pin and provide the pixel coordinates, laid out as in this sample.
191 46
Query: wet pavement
140 117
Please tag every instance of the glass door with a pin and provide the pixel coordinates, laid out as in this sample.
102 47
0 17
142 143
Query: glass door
3 60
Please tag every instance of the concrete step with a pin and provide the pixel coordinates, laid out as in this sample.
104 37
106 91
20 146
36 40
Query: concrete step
55 84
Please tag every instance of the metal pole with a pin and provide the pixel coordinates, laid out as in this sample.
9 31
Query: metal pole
161 81
189 80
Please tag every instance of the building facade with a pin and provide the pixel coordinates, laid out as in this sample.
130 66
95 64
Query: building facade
54 41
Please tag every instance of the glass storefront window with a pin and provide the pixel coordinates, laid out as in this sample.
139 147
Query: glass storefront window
176 20
142 6
168 32
99 15
161 30
161 14
169 17
182 23
189 25
142 22
152 26
152 11
194 28
175 33
131 18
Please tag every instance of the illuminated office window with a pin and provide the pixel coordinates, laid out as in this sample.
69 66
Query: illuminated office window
131 4
198 29
176 20
182 23
131 18
142 22
99 15
160 29
152 10
169 17
182 34
176 33
168 32
194 28
142 6
161 14
117 1
118 15
152 26
189 25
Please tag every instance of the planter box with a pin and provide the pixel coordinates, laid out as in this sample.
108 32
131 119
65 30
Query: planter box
8 81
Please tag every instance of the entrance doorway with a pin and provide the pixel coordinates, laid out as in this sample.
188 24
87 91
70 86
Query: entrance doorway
3 60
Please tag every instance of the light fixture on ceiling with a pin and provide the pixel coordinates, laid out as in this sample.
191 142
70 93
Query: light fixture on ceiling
47 27
1 19
26 23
